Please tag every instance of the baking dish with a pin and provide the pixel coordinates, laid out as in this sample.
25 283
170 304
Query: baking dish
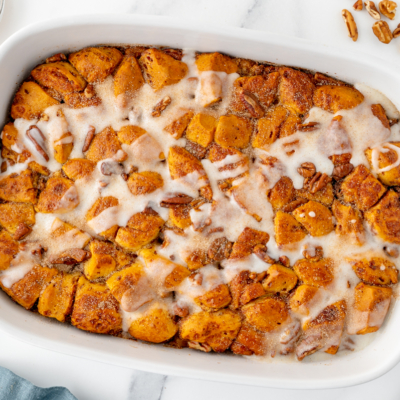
20 53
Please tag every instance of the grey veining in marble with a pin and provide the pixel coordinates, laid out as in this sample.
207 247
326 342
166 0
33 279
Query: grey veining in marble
146 386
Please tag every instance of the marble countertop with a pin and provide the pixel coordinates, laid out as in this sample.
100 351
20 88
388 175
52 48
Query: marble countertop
317 20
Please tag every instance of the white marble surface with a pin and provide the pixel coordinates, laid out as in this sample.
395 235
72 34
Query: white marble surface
318 20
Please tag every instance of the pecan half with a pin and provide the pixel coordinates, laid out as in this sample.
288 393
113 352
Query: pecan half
22 231
293 205
317 182
38 147
308 127
372 10
284 260
177 200
174 53
70 257
388 8
88 139
307 170
220 249
161 106
350 24
358 5
396 34
109 168
251 103
342 170
382 31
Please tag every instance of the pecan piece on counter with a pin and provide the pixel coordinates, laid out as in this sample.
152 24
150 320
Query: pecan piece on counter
308 127
22 231
342 170
251 103
161 106
358 5
307 170
70 257
350 24
38 147
372 10
382 31
317 182
177 200
220 249
88 139
388 8
396 34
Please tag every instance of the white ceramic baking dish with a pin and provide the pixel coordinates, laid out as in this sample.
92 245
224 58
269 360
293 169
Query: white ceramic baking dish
20 53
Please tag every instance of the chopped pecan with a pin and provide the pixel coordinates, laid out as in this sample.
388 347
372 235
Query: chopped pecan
260 276
342 170
317 182
261 252
382 31
388 8
372 10
196 278
177 200
293 205
57 57
88 139
358 5
89 91
313 253
124 176
307 170
109 168
392 251
38 251
197 203
199 346
308 127
218 229
338 159
38 147
284 260
22 231
251 103
161 106
195 149
181 311
220 249
199 227
70 257
393 121
350 24
3 167
174 53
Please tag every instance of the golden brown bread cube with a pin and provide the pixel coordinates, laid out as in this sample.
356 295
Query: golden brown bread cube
196 259
214 299
125 279
362 188
180 217
246 242
40 169
268 128
279 279
8 249
379 113
315 217
177 273
59 76
287 229
27 290
301 299
129 133
289 126
266 314
59 195
18 188
104 145
315 273
145 182
95 308
60 228
155 326
295 90
244 289
95 63
218 329
201 129
282 193
240 349
375 270
233 131
252 340
78 168
178 127
30 101
9 139
161 69
334 98
63 147
78 100
181 163
57 298
215 62
324 332
263 88
324 196
14 214
349 222
385 159
383 218
142 228
105 259
101 204
371 304
128 77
